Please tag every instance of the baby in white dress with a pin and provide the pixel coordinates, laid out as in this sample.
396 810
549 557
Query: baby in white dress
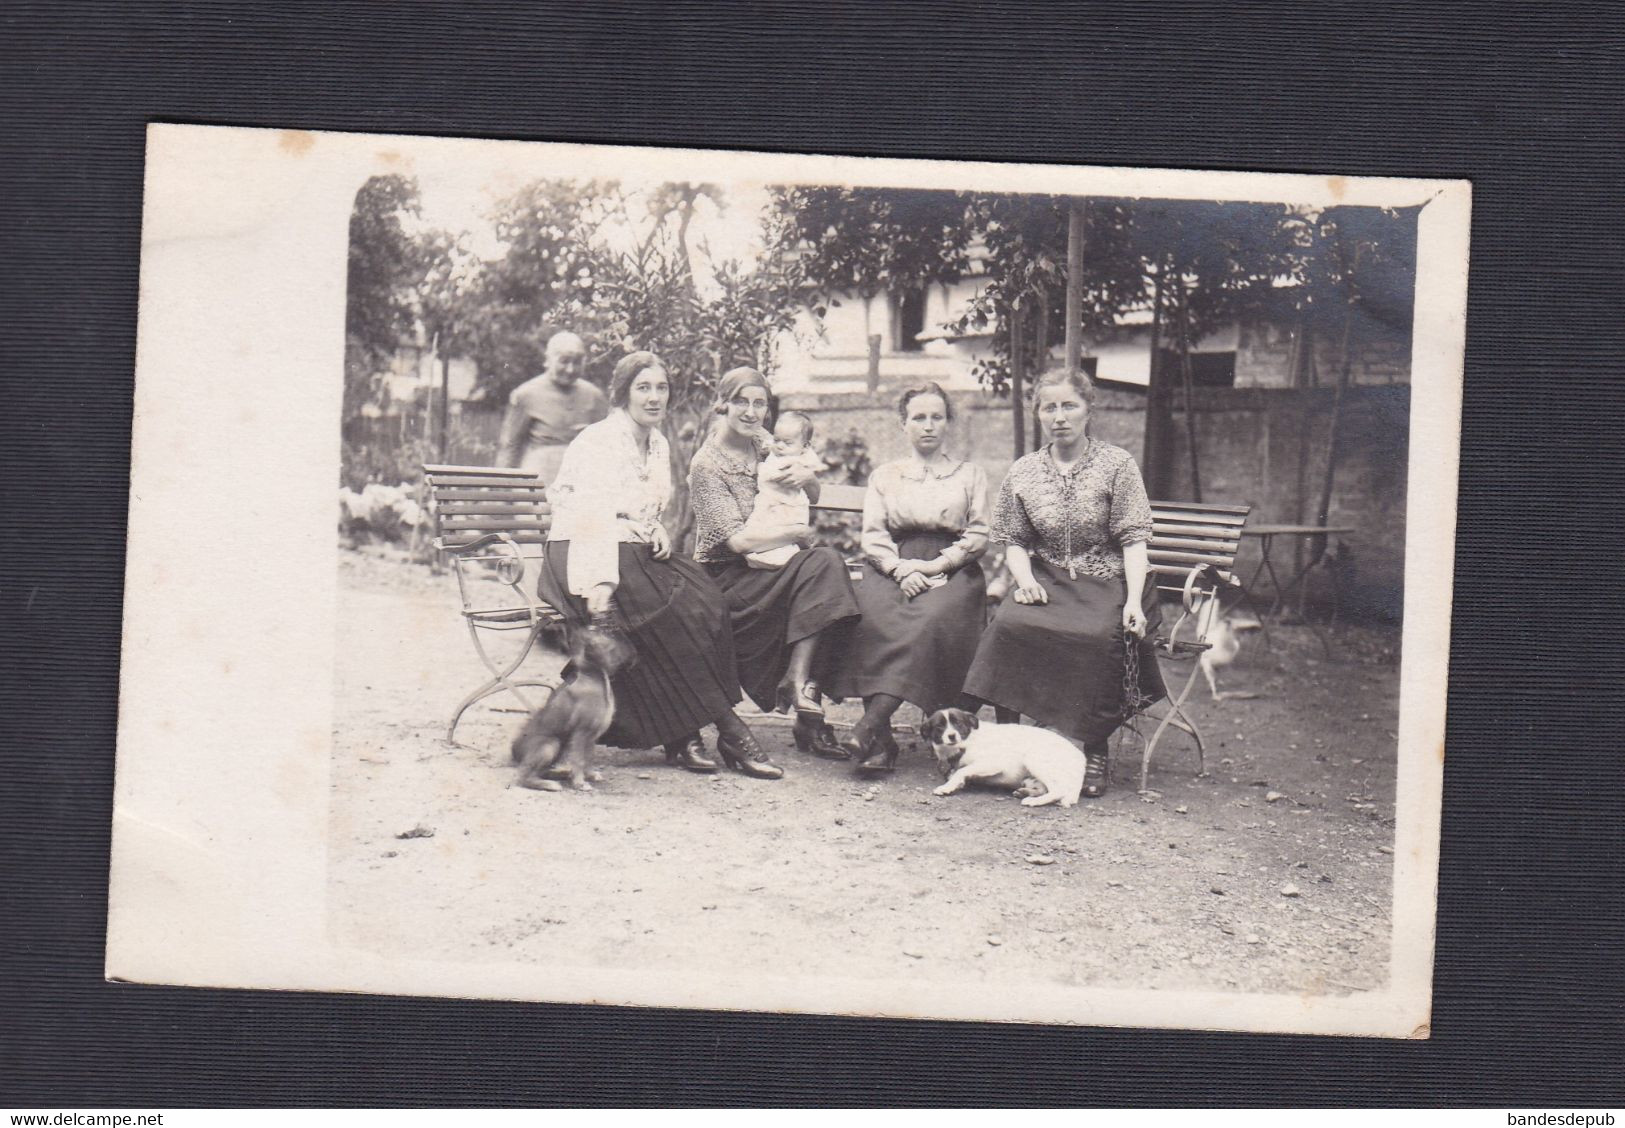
779 505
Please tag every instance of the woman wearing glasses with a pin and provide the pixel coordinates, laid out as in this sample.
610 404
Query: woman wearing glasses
783 619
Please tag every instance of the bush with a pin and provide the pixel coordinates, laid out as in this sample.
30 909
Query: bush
380 514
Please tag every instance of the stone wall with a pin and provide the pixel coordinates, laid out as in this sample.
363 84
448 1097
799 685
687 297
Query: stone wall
1264 447
1381 354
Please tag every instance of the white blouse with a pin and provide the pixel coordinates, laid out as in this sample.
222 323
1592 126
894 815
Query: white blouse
910 496
608 493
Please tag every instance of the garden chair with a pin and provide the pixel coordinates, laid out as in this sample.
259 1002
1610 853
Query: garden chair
1192 551
491 523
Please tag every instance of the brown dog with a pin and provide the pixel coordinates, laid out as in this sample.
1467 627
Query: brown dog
558 738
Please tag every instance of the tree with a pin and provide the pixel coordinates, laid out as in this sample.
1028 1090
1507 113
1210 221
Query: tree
648 298
1206 263
542 282
450 312
384 268
1357 269
1024 246
865 242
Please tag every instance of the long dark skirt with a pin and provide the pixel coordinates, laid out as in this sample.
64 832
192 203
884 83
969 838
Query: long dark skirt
774 610
677 622
917 649
1061 662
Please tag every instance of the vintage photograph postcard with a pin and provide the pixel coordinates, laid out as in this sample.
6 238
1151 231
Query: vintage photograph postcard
771 582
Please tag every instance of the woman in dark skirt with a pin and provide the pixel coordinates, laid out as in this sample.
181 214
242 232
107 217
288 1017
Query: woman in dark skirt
1076 519
609 561
923 596
781 618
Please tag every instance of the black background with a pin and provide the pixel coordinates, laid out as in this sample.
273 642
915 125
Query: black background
1523 100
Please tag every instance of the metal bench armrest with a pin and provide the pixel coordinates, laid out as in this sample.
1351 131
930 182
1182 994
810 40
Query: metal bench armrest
1195 592
509 567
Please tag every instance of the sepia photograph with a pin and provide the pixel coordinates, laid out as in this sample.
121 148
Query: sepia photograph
770 582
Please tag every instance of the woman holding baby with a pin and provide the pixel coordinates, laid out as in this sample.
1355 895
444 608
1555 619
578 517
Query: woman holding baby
925 527
609 563
785 605
1076 519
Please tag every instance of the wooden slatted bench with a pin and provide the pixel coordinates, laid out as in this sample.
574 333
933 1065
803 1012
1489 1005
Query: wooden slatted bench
491 523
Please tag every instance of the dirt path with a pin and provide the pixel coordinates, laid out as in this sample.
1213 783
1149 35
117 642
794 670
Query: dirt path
1177 889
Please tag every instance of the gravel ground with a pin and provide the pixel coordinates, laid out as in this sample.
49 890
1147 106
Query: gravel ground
1272 873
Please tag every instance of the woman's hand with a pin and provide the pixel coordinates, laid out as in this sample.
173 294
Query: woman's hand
599 596
752 541
919 567
1031 593
914 584
660 542
796 476
1134 620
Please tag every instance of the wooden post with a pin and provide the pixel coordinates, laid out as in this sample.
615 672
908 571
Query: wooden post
1155 455
1190 381
445 406
1074 287
874 361
1041 351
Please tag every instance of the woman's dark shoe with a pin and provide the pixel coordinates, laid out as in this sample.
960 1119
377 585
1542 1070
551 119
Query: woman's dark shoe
690 755
860 743
814 737
740 751
882 757
1097 770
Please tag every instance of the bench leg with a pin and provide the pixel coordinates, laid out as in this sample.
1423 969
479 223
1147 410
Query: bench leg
501 677
490 688
1177 717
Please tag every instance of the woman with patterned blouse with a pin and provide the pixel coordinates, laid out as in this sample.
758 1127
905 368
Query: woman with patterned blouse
781 618
1075 517
609 562
923 597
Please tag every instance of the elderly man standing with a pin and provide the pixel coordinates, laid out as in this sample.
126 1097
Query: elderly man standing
546 412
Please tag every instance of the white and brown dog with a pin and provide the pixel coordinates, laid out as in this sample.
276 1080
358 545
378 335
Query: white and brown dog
1012 756
1218 620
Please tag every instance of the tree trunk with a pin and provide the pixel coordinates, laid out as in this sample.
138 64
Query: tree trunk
445 406
1155 455
1041 351
1303 378
1190 381
1334 441
1335 438
679 515
1074 287
1018 381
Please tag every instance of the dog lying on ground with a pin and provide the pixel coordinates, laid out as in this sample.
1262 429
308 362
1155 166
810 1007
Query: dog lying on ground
559 737
1045 766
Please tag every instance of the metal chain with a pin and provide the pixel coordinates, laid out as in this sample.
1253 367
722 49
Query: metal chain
1134 702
